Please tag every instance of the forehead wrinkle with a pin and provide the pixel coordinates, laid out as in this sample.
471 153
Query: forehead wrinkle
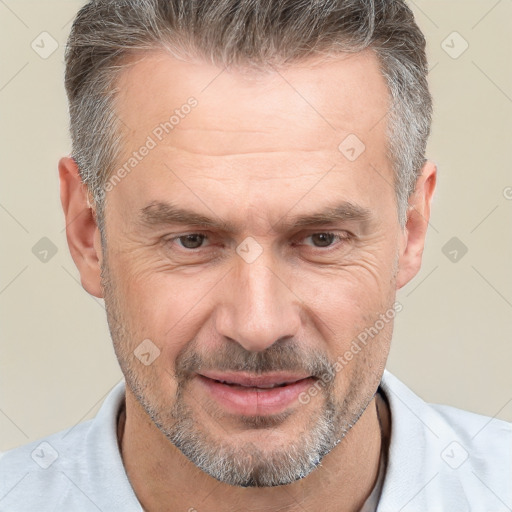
233 143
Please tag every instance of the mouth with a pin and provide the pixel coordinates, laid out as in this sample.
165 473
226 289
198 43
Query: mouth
268 386
267 381
251 395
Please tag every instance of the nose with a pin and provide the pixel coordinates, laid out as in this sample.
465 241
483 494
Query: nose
257 308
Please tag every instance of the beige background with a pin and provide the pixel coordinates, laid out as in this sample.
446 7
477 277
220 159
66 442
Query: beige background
452 341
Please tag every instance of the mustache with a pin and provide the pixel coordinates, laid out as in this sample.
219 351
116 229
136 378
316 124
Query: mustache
283 355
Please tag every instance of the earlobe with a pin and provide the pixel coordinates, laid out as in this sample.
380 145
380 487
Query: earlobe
81 228
415 230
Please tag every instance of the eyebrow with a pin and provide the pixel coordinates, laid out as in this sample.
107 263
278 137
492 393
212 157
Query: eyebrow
160 213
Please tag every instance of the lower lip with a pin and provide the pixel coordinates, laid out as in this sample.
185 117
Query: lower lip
255 401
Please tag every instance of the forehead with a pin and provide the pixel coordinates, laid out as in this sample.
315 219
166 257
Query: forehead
254 142
309 105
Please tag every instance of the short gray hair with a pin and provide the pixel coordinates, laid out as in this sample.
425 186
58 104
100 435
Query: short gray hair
243 33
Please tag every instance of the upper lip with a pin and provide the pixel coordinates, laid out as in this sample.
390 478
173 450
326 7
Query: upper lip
248 380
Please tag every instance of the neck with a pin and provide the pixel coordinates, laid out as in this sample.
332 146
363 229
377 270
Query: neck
165 480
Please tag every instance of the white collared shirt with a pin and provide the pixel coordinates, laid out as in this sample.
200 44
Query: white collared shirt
440 459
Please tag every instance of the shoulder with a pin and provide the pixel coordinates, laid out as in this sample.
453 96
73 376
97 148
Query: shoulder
40 469
474 429
77 469
441 456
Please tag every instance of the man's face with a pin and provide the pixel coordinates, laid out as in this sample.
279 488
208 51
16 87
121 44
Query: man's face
245 244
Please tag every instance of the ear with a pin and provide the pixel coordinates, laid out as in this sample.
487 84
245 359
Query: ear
82 232
415 231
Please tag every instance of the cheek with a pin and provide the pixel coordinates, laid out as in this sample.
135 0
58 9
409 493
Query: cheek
347 297
359 343
165 307
346 306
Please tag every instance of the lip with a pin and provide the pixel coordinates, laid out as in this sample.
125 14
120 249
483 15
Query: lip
239 393
248 380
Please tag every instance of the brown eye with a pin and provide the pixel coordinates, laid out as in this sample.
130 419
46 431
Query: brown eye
192 241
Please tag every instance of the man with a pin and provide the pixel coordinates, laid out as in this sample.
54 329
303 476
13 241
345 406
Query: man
248 190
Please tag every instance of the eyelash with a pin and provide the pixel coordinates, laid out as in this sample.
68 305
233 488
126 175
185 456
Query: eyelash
337 238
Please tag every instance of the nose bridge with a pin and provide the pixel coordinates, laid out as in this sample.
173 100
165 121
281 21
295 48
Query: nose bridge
258 309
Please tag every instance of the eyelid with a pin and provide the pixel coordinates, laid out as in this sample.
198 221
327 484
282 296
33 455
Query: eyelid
175 239
340 235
